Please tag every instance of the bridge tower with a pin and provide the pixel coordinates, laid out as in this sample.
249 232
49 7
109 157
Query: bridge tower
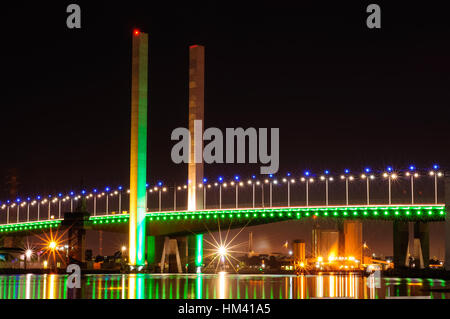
195 166
138 151
196 119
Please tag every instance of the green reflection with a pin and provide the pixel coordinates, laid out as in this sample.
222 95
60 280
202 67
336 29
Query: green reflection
199 287
140 286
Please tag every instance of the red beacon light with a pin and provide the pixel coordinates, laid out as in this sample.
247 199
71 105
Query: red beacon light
136 32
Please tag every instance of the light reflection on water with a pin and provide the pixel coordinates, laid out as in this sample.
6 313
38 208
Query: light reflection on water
221 286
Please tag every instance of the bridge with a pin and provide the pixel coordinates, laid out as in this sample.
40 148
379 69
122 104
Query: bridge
185 224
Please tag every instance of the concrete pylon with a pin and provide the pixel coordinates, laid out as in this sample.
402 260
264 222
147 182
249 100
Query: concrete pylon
422 244
196 119
170 248
138 149
401 241
353 233
76 223
418 256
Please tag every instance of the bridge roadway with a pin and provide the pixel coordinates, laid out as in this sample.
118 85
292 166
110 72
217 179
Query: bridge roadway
188 222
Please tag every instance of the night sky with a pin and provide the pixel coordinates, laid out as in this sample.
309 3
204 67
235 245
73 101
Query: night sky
342 95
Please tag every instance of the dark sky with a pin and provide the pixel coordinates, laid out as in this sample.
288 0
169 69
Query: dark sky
343 96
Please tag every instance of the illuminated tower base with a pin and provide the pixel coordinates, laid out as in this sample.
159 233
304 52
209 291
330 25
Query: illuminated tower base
196 251
138 151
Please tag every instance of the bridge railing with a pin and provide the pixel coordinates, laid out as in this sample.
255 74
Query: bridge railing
308 190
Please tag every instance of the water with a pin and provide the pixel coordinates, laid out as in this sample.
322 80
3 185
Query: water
221 286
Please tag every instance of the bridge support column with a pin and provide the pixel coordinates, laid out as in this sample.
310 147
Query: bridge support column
353 232
195 253
170 249
401 240
447 223
77 245
138 150
422 244
196 117
76 235
154 247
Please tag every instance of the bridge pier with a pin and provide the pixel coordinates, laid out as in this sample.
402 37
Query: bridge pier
76 236
422 244
401 240
196 117
350 239
189 251
195 253
154 248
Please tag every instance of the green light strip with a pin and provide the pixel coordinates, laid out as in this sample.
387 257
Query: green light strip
37 225
199 250
416 212
412 212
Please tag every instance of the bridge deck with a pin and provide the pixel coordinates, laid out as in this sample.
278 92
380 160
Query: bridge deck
422 212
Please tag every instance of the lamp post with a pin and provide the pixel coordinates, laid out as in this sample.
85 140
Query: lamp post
146 195
436 174
160 184
120 199
18 209
274 182
251 182
107 189
28 209
49 206
7 212
95 201
326 178
347 178
220 179
205 180
286 180
270 190
71 201
175 188
38 207
412 175
289 181
367 178
390 175
236 178
59 205
262 192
